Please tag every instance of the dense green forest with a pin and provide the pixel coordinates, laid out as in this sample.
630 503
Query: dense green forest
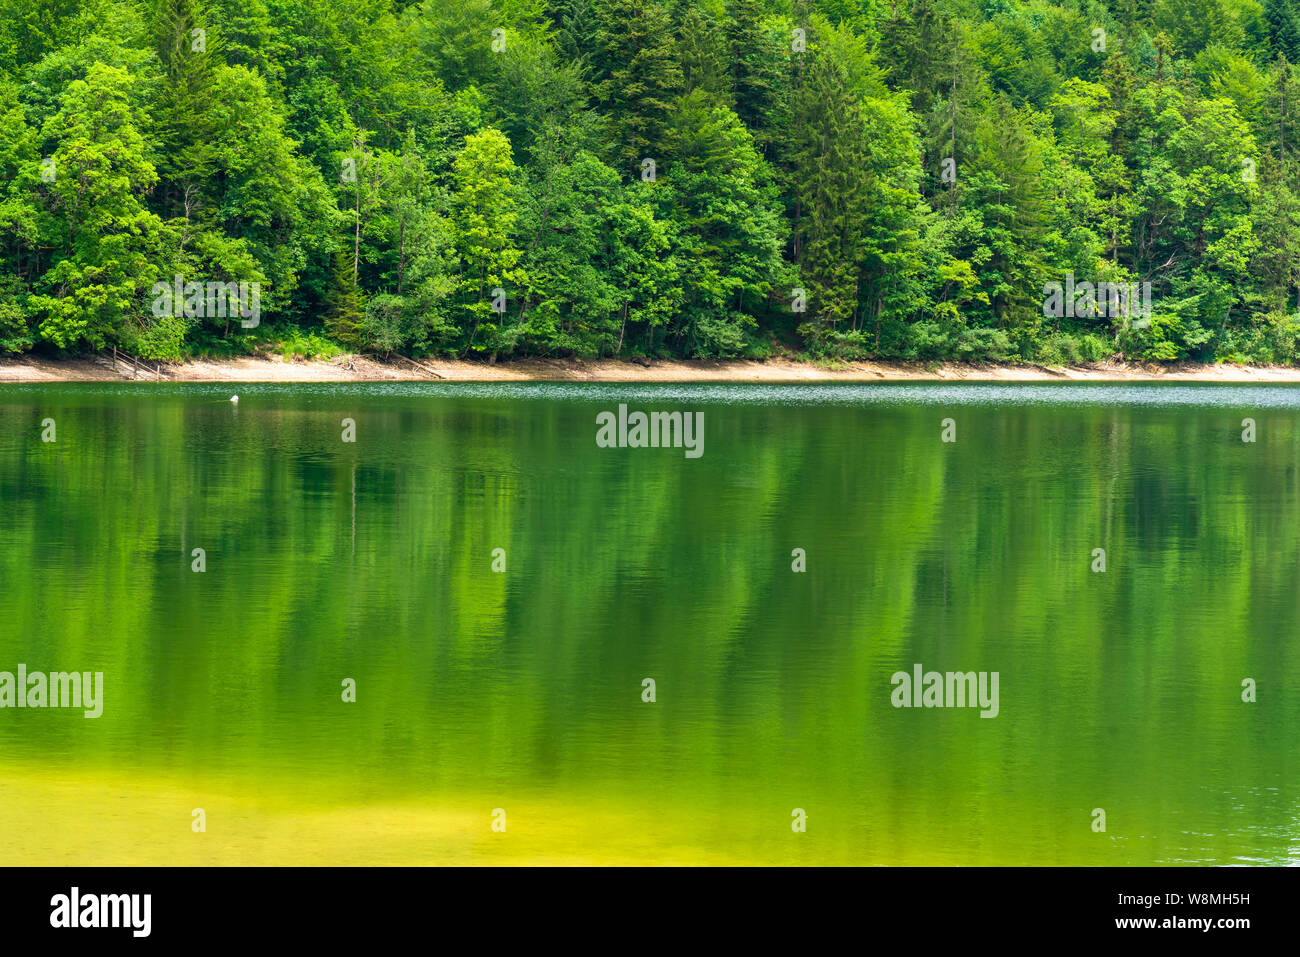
496 178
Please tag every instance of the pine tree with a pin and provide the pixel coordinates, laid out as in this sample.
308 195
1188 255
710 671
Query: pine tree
183 113
915 36
575 30
1006 187
345 307
755 67
702 51
637 75
1283 27
1278 129
830 178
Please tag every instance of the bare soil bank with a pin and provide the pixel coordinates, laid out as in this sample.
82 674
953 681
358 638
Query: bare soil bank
363 369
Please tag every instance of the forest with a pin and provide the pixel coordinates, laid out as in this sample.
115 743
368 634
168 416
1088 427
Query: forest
902 180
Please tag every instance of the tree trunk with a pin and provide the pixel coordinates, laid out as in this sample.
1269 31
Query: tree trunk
401 257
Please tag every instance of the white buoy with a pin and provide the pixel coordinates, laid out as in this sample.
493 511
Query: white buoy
234 398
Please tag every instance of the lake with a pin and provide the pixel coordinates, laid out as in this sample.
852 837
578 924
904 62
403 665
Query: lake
494 589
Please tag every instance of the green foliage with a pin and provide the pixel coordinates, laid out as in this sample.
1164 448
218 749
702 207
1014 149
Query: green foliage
730 236
293 341
345 307
484 212
636 74
102 241
652 177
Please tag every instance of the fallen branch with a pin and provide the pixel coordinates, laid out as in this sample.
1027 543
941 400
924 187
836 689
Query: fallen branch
421 367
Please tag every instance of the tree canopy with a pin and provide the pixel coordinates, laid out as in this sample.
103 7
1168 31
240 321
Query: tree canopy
496 178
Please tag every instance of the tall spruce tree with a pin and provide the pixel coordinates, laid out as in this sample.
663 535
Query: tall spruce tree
184 113
637 76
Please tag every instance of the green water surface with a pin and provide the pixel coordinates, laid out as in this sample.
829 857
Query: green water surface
523 689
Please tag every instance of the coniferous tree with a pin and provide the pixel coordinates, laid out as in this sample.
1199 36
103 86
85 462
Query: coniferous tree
636 76
345 307
185 112
755 67
1283 27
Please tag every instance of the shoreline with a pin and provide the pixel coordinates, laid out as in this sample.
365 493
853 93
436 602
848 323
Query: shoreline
253 369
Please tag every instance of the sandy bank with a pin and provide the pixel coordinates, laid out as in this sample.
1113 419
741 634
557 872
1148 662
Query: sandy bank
360 369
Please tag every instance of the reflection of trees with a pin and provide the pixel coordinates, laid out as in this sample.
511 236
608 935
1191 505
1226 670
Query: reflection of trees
1119 690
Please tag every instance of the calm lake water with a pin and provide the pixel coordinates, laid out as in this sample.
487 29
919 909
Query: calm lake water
522 689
